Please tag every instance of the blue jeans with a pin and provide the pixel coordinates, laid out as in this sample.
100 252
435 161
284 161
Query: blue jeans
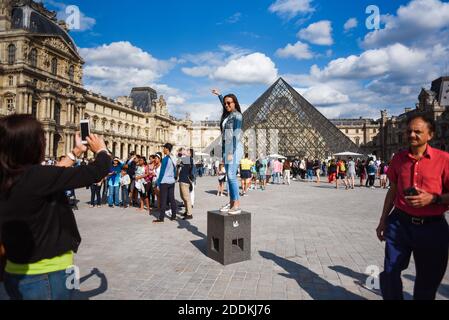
310 175
113 195
49 286
231 174
125 196
429 244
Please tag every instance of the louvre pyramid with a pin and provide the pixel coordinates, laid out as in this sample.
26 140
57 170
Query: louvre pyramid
282 121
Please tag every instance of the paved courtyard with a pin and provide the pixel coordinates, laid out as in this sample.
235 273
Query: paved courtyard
308 242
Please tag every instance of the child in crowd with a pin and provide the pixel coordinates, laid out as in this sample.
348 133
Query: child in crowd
221 180
125 181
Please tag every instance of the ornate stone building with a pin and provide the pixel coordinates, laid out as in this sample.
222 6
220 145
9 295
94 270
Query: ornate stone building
434 102
41 74
361 131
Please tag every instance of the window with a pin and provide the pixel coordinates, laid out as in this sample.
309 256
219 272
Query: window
357 141
11 81
356 130
72 73
54 66
374 130
10 104
33 58
347 131
11 54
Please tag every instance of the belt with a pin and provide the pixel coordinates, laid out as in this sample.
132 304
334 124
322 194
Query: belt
419 220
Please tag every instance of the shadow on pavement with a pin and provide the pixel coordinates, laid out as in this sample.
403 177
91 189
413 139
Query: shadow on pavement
360 278
442 290
87 295
214 192
309 281
200 244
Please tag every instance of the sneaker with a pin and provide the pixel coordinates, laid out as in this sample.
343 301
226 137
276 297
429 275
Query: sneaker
187 217
235 211
226 208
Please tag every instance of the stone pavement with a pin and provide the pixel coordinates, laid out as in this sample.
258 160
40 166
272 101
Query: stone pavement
308 242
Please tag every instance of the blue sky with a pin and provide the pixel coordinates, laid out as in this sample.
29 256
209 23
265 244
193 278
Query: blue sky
321 47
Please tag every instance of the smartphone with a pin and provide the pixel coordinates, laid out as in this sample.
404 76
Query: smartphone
410 192
85 130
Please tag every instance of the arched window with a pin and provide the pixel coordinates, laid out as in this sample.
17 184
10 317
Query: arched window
11 54
72 73
54 66
33 58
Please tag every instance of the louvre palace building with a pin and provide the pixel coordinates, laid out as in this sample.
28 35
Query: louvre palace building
41 73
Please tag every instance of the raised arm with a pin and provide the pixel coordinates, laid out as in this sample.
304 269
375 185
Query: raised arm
219 95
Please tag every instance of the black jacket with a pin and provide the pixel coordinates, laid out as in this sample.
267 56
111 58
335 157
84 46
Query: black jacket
36 221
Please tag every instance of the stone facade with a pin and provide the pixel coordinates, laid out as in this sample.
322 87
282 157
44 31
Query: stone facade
361 131
41 74
435 103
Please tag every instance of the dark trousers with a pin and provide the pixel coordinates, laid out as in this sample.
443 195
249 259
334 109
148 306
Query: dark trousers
167 195
371 180
95 193
429 244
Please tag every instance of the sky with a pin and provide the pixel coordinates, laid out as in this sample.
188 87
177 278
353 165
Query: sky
330 51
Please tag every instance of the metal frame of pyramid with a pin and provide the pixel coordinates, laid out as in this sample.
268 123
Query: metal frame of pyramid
282 121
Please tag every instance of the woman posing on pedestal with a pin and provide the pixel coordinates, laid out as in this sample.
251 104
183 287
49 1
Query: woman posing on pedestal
232 148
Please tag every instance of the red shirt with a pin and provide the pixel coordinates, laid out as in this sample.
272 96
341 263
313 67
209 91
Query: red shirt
430 174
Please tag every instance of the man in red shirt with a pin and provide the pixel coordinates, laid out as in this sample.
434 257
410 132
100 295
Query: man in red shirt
419 195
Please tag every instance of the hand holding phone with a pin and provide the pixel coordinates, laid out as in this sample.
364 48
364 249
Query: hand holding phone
85 131
411 192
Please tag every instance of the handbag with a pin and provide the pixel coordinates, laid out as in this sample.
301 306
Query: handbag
2 262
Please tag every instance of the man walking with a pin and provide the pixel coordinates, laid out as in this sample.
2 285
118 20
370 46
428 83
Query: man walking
419 195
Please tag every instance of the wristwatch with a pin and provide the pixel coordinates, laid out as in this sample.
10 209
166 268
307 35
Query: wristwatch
437 199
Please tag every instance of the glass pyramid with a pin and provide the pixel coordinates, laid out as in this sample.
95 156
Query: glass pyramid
282 122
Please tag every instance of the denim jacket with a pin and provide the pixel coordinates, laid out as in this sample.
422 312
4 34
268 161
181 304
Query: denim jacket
231 143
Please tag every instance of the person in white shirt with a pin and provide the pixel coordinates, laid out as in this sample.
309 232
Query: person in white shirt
125 181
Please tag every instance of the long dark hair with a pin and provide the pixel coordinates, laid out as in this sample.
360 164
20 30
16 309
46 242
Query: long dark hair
22 145
225 113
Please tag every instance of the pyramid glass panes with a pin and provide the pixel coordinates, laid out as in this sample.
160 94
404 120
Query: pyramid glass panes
282 122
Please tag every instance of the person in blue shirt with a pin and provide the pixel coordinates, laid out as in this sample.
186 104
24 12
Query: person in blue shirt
114 183
166 184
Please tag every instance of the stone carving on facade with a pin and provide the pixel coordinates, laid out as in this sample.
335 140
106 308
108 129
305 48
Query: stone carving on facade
56 43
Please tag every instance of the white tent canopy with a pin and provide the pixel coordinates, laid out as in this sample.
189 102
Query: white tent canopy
276 156
348 154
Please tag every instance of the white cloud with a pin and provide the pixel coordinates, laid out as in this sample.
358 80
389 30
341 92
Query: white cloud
350 110
396 59
250 69
291 8
86 23
115 68
323 95
202 71
175 100
318 33
198 111
417 21
299 51
351 24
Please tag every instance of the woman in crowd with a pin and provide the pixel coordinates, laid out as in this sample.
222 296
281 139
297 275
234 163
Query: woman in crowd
40 235
232 148
287 169
141 175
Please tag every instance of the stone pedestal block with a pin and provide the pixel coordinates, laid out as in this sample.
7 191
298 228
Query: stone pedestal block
228 237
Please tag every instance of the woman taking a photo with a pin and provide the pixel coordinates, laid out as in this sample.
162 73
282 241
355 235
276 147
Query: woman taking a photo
232 148
40 235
